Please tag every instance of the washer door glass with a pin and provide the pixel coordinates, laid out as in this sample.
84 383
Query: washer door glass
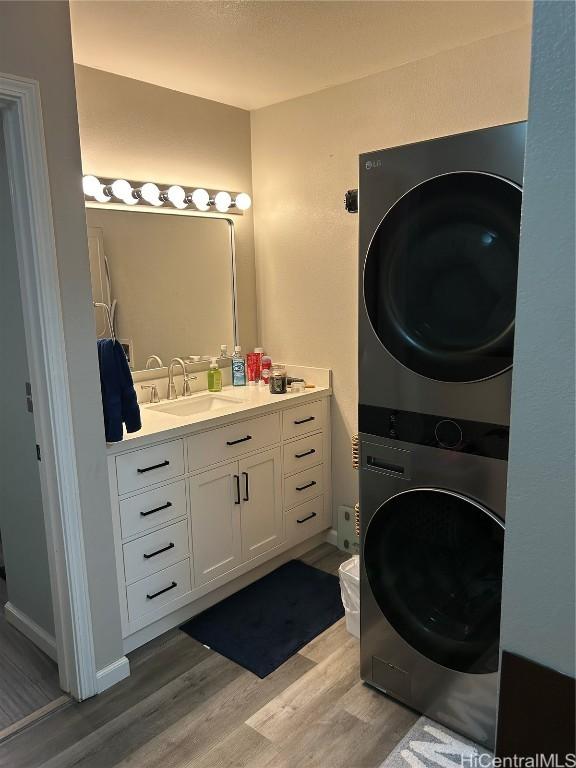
434 565
440 276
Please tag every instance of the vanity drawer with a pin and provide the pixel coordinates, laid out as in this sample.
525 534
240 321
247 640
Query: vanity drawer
159 590
303 453
305 520
303 486
303 419
156 551
227 443
157 507
151 465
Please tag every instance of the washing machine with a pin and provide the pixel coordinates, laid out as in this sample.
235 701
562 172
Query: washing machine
439 237
439 231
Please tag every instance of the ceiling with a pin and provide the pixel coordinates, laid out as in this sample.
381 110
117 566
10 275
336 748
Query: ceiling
251 54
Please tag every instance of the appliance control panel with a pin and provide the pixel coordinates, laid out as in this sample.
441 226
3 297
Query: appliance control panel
477 437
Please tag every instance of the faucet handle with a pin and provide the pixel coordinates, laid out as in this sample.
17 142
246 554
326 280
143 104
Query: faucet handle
154 398
186 389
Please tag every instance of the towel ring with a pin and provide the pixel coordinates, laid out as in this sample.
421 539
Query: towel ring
108 317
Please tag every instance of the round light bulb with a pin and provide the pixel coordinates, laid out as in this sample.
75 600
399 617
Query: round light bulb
243 201
177 196
91 185
131 200
151 194
222 201
121 189
100 196
201 199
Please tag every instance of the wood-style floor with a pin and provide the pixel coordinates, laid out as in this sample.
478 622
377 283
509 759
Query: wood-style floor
28 678
185 706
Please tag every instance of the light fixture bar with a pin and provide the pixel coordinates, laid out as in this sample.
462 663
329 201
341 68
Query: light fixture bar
99 189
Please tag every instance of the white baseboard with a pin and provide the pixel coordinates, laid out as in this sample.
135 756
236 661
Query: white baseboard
34 632
112 674
332 536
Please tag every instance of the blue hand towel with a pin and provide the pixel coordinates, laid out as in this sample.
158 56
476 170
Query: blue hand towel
119 401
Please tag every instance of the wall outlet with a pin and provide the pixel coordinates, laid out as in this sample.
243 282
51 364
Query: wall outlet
347 539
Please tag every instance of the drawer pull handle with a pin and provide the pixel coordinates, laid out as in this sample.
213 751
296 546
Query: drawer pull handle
308 485
306 453
159 551
305 421
241 440
154 466
304 519
237 479
156 509
161 592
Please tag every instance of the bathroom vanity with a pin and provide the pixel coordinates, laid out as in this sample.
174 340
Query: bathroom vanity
210 490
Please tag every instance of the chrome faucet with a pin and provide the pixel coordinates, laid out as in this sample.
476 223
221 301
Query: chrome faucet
186 390
154 359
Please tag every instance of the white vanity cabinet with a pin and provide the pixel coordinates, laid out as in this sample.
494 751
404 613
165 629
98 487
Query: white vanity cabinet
212 504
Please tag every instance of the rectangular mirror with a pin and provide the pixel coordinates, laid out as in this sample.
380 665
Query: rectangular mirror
168 279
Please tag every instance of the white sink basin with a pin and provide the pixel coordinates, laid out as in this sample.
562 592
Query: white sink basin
190 406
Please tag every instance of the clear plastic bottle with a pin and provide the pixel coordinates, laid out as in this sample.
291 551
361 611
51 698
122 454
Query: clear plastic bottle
238 368
214 377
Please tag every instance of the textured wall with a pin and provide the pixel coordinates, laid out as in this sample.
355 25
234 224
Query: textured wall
305 155
139 131
539 560
35 43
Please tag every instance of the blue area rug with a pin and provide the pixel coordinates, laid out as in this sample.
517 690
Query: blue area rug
264 624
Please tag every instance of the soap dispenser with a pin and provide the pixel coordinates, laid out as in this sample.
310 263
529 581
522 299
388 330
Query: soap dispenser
214 377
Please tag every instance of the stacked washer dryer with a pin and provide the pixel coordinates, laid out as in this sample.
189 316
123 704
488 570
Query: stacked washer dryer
439 232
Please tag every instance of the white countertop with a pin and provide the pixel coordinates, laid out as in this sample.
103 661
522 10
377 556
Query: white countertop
254 401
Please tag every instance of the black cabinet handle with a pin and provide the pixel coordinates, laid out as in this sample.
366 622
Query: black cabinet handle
308 485
241 440
246 488
161 592
155 466
237 499
159 551
156 509
304 421
306 453
304 519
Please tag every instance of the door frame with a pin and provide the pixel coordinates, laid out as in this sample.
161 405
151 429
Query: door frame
21 109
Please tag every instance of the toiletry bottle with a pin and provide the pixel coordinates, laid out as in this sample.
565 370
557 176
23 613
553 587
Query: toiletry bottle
265 372
254 365
214 377
238 368
223 351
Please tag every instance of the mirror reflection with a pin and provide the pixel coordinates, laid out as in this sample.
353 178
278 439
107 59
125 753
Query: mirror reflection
168 281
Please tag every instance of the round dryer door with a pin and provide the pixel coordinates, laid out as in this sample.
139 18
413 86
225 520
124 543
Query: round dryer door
433 560
440 276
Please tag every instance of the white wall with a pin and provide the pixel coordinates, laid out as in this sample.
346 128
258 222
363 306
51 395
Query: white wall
35 43
21 512
305 156
538 607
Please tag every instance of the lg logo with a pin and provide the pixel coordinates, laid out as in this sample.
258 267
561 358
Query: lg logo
370 164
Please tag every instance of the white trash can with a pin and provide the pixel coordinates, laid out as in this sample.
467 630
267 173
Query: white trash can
349 573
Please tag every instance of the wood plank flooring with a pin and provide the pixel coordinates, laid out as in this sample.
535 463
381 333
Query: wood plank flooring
184 706
28 678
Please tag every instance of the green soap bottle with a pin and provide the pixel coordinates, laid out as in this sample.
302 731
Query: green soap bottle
214 377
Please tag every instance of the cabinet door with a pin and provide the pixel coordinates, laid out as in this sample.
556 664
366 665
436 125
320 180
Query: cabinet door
261 515
215 513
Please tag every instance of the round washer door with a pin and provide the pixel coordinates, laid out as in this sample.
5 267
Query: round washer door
433 559
440 276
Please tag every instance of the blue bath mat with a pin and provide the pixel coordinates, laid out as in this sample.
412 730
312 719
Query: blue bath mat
265 623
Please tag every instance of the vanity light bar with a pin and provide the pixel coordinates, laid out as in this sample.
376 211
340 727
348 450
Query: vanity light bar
148 193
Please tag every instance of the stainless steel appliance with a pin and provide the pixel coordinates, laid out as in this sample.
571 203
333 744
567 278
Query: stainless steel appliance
439 232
